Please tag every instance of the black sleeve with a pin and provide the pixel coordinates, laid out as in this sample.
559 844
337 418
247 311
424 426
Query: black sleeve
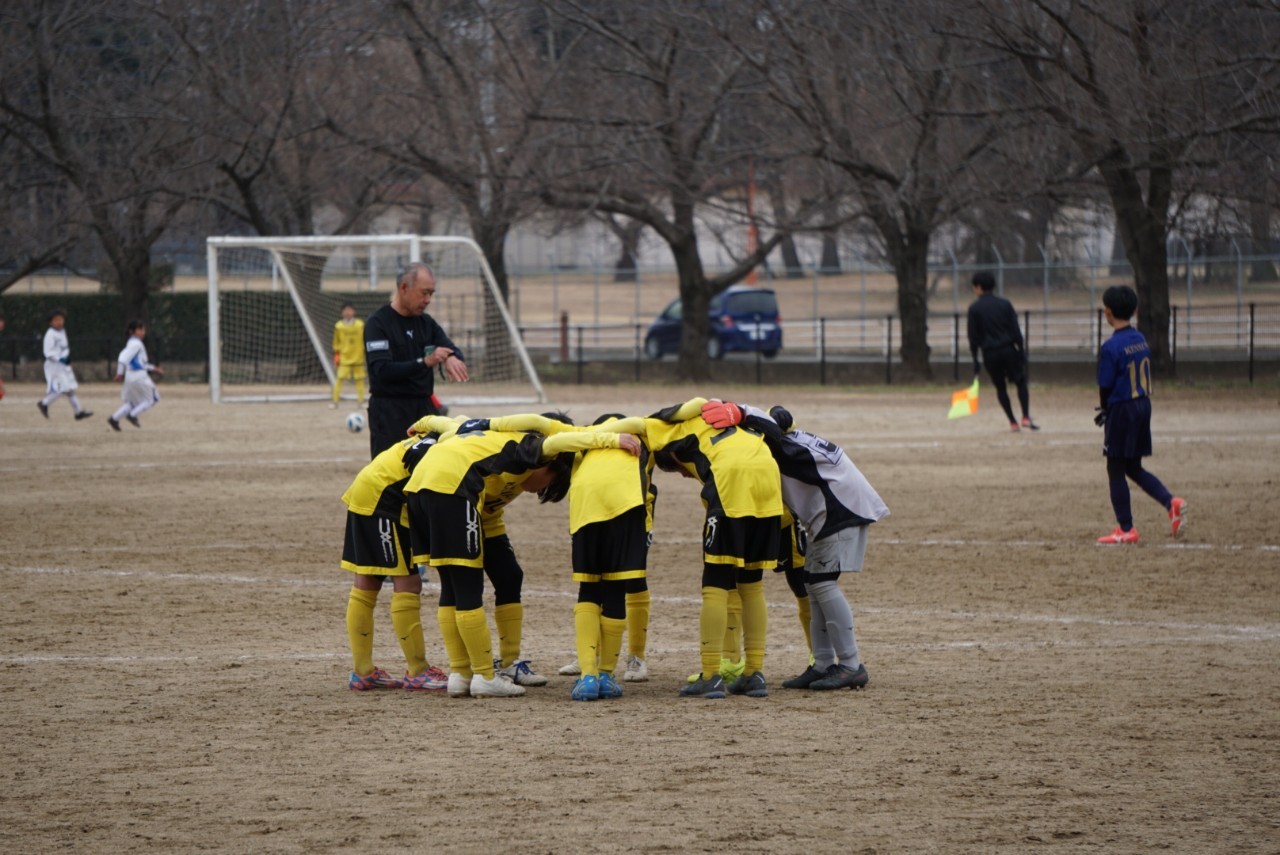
1015 331
767 428
975 333
1103 395
440 338
383 368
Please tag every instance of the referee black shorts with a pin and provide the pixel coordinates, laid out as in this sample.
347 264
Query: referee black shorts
389 418
1005 363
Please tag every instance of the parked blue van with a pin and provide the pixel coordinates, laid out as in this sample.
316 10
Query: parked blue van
741 319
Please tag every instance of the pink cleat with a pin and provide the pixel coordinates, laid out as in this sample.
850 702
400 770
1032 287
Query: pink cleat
1177 508
376 679
1120 536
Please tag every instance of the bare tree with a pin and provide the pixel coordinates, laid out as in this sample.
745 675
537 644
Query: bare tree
90 91
891 105
657 121
1145 90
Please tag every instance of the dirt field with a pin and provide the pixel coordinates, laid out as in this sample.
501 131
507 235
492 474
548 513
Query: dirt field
173 655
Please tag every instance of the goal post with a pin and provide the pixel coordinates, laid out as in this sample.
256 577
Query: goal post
273 303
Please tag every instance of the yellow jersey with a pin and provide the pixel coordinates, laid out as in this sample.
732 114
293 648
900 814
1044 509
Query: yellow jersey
607 483
378 490
348 342
738 473
500 490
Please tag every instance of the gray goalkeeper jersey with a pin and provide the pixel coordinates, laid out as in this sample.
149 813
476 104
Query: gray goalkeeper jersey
820 484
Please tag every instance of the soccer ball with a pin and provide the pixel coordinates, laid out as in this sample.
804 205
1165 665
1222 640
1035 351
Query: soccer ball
355 422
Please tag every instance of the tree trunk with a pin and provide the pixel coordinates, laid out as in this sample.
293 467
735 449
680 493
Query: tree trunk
1260 214
695 300
492 352
830 264
1143 227
911 267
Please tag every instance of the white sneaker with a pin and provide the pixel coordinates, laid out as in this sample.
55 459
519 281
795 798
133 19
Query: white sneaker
637 671
459 686
570 670
520 673
501 686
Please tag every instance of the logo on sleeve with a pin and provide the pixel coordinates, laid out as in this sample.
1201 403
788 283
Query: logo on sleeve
381 344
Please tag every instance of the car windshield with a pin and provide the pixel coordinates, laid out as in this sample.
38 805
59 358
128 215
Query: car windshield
752 303
673 312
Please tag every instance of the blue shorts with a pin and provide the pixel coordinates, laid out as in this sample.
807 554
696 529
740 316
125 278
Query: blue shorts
1128 430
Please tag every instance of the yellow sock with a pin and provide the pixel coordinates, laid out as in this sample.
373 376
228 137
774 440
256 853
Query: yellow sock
732 647
586 636
611 630
359 390
509 618
337 390
755 620
711 628
474 629
406 617
454 647
637 623
802 606
360 629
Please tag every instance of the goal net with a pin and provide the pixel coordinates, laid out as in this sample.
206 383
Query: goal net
273 303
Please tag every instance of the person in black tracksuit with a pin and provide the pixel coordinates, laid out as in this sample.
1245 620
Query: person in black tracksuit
993 328
403 347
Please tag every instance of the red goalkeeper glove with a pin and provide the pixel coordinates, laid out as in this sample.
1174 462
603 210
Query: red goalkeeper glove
721 414
337 359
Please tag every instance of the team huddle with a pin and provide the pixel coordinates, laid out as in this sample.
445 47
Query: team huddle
437 500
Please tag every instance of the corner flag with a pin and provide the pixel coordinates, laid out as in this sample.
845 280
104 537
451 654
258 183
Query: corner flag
964 402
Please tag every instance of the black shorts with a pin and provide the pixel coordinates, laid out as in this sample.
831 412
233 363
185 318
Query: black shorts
376 546
748 543
390 418
791 548
1128 429
1005 363
455 535
419 527
612 550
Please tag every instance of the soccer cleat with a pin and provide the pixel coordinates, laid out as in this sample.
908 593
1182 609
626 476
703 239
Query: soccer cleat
459 685
84 414
728 670
1013 427
115 425
712 687
586 689
752 686
842 677
1120 536
803 681
430 680
520 673
43 408
609 687
375 679
637 670
1177 508
570 670
501 686
1028 424
133 420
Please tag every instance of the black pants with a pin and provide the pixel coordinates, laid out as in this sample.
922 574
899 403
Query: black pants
389 418
1008 364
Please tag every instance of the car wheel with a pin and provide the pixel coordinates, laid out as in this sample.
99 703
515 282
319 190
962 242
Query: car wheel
715 348
652 348
769 354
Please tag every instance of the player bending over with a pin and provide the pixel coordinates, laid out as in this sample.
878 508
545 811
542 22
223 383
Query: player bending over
132 368
1124 386
611 500
376 545
740 534
446 501
834 503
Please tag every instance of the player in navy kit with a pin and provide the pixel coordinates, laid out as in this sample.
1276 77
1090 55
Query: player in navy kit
1124 386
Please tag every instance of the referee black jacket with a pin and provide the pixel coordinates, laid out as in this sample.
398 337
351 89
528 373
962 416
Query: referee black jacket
393 349
993 324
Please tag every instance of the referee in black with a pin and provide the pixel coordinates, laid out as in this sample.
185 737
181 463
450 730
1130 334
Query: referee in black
403 347
993 328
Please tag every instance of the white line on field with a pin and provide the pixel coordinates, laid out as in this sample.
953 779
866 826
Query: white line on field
179 464
1260 632
1019 544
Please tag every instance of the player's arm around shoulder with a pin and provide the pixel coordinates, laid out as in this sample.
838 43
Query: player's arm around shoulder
435 424
582 440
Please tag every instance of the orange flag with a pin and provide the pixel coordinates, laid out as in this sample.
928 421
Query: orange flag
964 402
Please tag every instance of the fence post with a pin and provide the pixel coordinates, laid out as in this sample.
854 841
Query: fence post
1026 343
1097 341
579 354
564 337
638 353
1251 326
955 345
888 349
822 351
1173 340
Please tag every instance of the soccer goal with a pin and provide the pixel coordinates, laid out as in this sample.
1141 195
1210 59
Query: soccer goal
273 303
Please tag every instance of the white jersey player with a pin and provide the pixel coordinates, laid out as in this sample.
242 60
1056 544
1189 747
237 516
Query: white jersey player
58 374
834 503
139 393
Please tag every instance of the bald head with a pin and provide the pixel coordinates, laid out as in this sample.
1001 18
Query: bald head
415 286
